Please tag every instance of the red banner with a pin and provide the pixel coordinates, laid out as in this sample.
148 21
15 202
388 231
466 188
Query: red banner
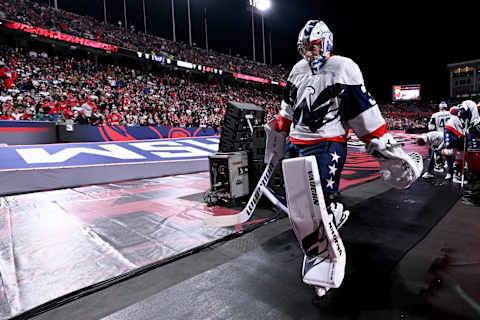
60 36
250 78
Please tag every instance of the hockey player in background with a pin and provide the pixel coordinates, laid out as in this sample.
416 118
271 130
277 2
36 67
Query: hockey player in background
439 119
434 141
437 123
463 117
324 97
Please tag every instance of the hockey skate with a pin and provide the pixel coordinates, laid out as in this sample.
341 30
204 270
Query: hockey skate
428 175
457 178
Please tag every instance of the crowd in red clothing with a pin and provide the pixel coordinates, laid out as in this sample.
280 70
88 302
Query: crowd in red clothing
40 87
407 114
32 13
37 86
53 88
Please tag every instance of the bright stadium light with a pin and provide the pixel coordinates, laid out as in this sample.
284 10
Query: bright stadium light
261 5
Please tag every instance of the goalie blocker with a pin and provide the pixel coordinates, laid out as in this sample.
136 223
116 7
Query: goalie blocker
314 225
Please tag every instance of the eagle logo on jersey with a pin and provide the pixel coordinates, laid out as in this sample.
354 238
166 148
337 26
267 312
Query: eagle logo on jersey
312 112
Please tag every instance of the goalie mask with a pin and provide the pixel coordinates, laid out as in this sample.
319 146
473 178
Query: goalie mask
315 42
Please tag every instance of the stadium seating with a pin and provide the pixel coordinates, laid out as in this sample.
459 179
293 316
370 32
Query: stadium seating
34 14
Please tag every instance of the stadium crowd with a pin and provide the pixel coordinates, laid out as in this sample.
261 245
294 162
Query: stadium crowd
40 87
36 86
38 15
400 116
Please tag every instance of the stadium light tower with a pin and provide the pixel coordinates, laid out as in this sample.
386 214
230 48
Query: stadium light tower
173 20
262 6
104 12
125 13
144 18
189 24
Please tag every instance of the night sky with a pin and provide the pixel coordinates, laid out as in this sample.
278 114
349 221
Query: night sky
393 42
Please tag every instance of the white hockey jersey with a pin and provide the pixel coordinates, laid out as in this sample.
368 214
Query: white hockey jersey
454 130
325 105
433 139
438 121
473 114
455 125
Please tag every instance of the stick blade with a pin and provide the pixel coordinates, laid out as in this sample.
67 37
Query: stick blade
224 221
221 221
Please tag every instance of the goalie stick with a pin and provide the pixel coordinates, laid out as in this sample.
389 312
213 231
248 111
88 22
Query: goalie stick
246 213
465 138
273 153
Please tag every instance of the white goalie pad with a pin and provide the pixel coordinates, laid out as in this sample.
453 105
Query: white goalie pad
313 224
397 168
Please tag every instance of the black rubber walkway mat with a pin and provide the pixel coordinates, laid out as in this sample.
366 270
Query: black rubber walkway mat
265 283
380 231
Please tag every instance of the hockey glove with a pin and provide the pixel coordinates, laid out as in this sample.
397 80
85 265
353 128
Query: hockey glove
397 168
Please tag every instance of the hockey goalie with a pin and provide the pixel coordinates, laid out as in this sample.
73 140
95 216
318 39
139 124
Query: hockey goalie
325 96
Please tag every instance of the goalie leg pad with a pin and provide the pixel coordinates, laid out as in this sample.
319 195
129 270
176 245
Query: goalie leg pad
313 224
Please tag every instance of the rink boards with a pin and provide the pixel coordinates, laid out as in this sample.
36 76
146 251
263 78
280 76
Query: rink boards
54 166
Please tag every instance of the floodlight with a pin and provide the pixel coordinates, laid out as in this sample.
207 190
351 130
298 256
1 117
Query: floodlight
261 5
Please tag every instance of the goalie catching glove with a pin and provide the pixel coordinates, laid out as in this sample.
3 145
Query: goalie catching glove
397 168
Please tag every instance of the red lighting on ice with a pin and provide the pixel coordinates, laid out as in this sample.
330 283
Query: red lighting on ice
60 36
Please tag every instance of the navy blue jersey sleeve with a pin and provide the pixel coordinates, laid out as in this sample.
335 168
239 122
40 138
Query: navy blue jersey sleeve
356 100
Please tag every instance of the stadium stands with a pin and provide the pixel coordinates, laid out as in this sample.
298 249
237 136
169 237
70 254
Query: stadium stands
33 14
37 85
61 87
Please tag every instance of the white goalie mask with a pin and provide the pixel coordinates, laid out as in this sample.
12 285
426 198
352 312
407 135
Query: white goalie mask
315 43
